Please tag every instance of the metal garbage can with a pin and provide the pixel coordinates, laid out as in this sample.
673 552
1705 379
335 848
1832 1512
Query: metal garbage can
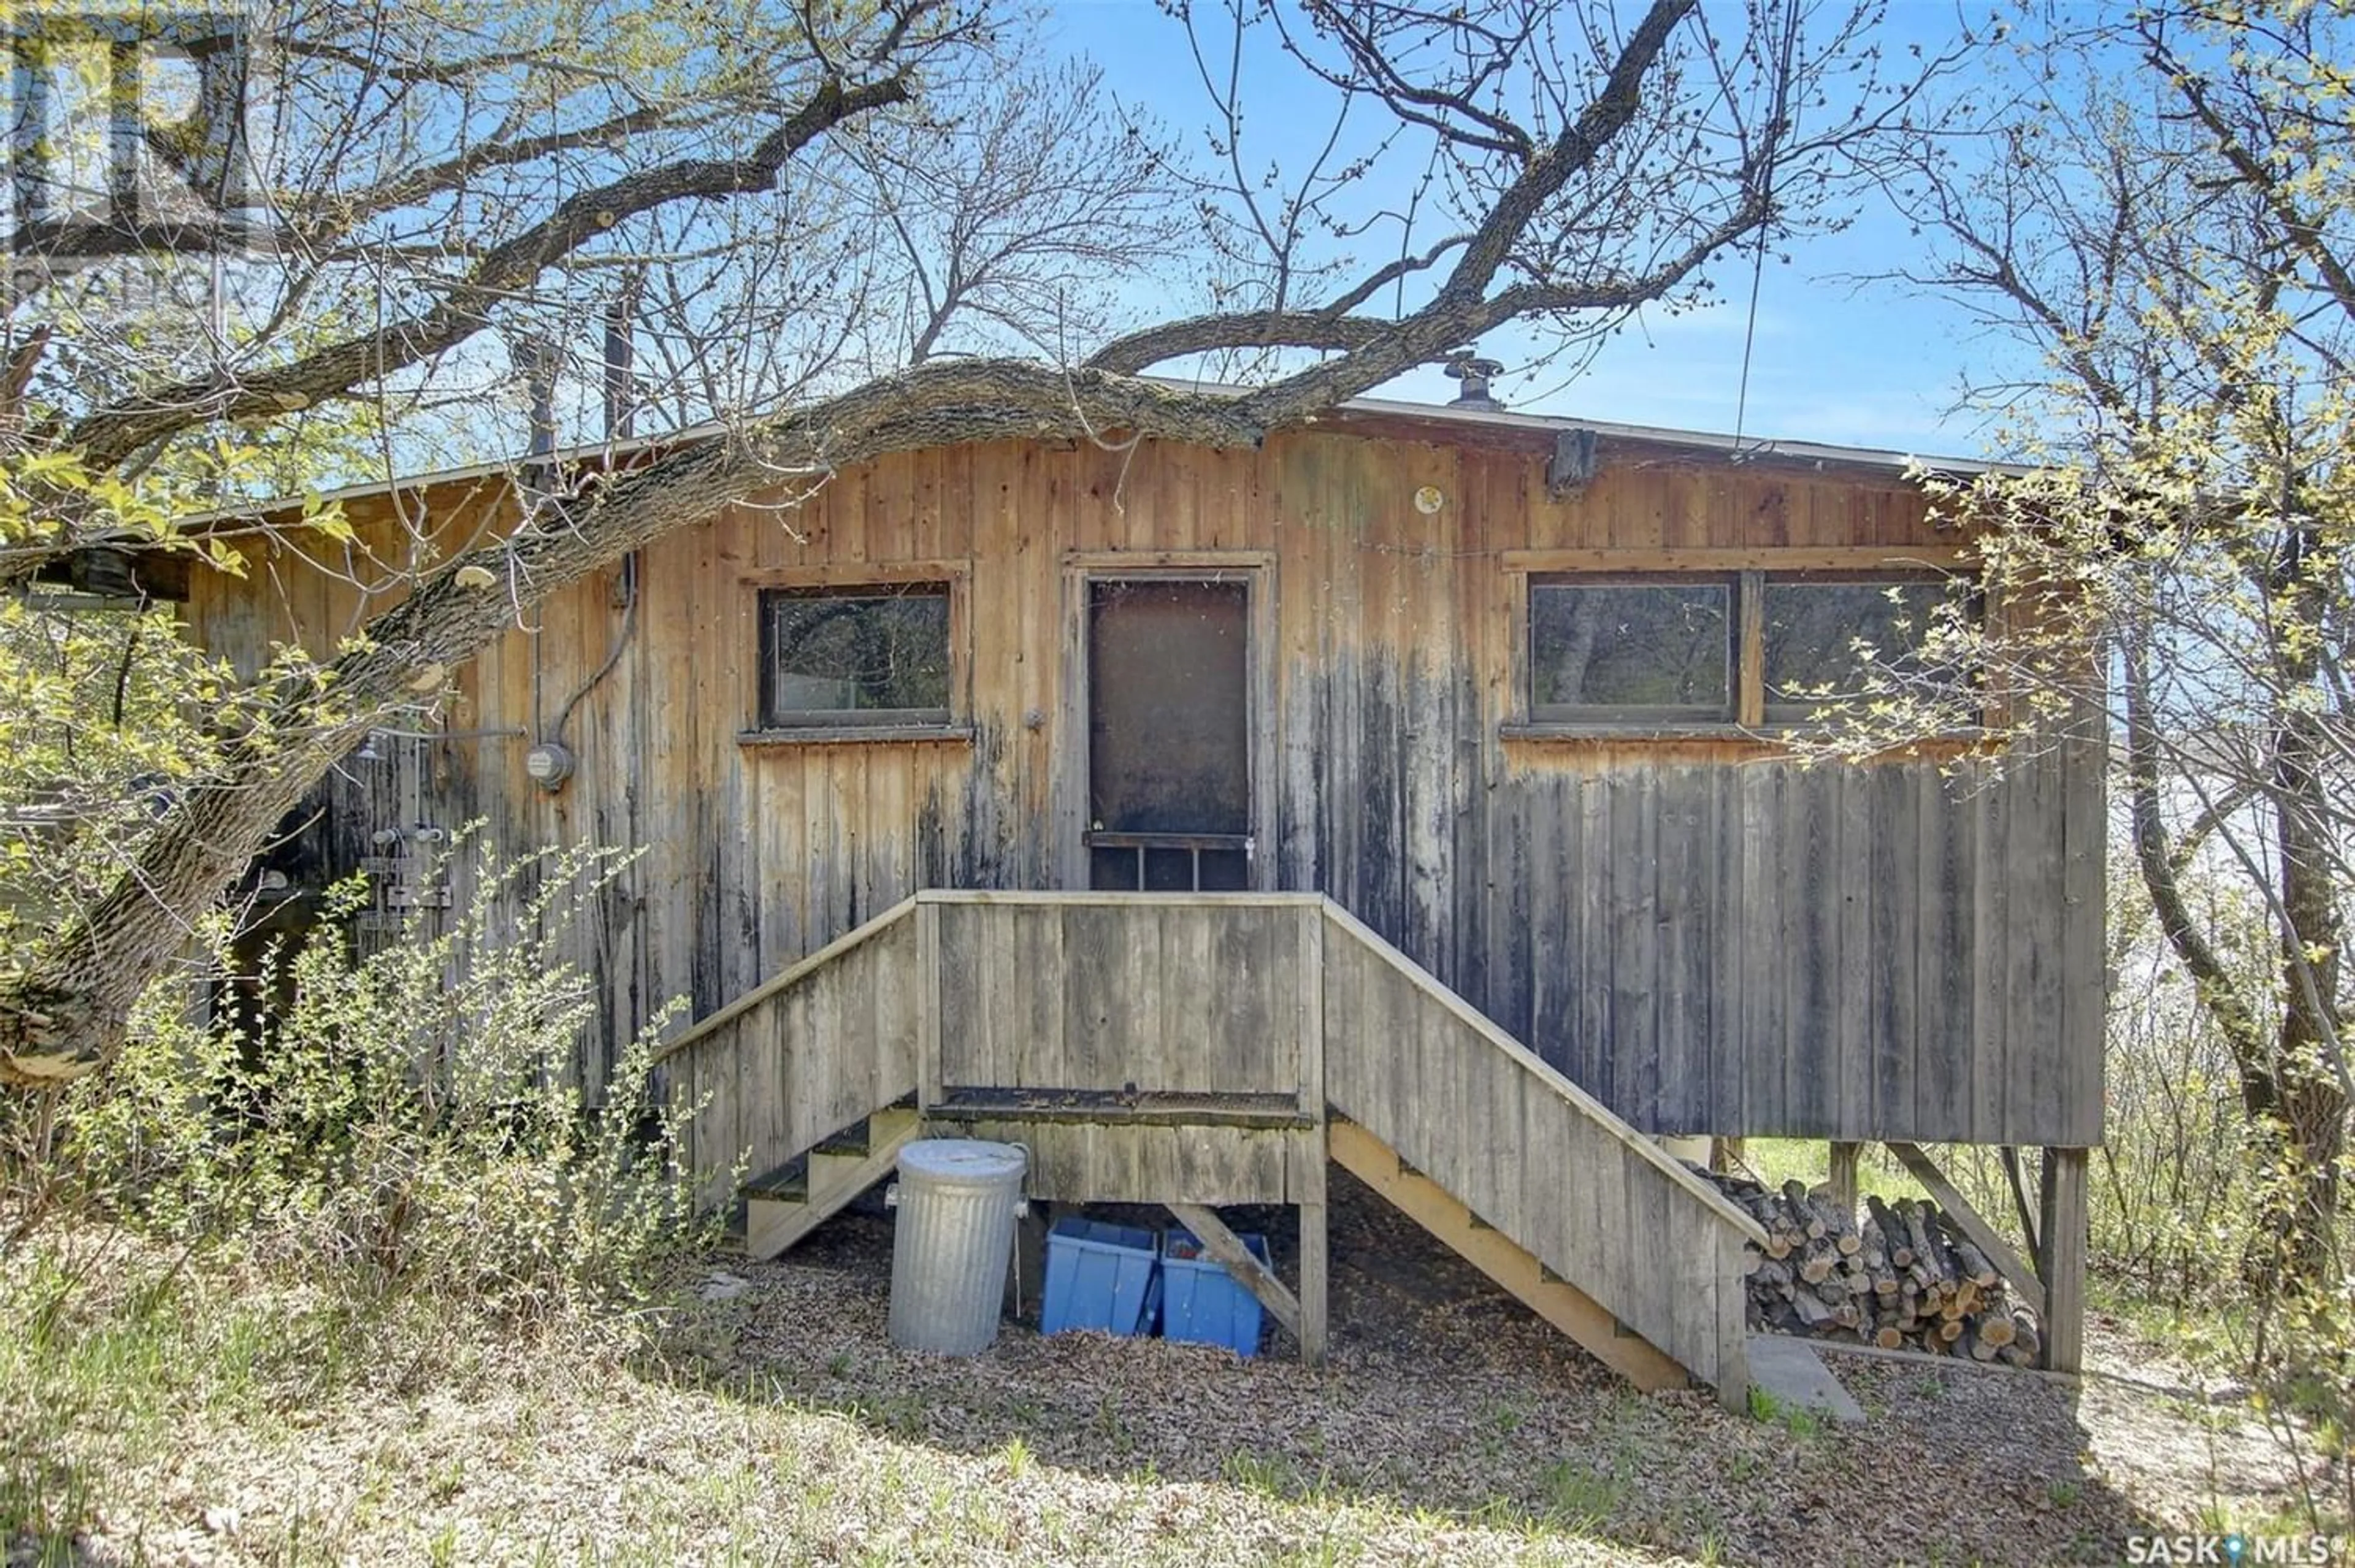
957 1201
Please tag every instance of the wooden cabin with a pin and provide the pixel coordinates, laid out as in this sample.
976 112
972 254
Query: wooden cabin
1412 791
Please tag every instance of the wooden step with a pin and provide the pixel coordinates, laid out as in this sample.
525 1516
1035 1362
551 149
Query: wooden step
1496 1254
855 1139
789 1183
834 1172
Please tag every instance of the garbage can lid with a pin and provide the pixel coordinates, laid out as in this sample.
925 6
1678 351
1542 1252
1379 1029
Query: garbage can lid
963 1159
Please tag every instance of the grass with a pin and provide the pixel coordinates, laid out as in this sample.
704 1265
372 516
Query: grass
171 1409
161 1409
1581 1498
1799 1421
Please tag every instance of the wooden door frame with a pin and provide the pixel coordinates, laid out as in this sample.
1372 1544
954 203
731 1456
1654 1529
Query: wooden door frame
1255 569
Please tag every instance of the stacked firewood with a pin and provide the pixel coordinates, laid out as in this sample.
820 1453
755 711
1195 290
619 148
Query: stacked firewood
1903 1276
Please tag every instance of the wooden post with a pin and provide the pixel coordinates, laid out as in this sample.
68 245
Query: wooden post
1028 1278
1725 1153
2061 1238
1309 1183
1312 1155
929 1003
1845 1158
1314 1274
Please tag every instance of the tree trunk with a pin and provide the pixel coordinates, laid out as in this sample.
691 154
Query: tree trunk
2304 1095
2290 1086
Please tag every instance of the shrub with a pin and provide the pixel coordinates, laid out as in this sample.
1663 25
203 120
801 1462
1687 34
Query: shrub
409 1122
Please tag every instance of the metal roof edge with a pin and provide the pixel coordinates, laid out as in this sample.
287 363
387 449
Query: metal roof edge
1738 448
1735 449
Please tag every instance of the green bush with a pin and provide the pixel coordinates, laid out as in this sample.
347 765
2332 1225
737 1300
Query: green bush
407 1124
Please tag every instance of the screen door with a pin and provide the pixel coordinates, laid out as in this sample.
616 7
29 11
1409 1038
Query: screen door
1168 735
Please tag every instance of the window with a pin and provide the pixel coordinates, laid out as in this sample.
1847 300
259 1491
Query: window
1824 636
1631 652
873 655
1665 650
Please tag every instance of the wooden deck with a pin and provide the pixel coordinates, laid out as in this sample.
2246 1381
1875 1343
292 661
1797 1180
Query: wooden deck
1193 1050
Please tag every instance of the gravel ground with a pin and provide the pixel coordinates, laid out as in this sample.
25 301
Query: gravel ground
779 1426
1444 1395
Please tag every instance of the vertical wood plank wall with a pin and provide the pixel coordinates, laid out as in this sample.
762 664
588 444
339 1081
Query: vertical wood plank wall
1197 1000
1705 936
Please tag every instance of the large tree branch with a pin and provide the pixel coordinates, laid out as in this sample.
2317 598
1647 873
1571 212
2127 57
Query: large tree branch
1382 277
1168 340
1458 313
1582 141
415 185
1447 322
108 436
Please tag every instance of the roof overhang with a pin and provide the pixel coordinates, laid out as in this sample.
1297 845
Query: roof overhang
1377 418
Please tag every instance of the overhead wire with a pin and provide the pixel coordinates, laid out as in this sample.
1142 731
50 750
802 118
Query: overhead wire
1777 130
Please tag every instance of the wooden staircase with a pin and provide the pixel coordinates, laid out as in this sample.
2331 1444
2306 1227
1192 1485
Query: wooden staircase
1542 1186
1064 1006
780 1211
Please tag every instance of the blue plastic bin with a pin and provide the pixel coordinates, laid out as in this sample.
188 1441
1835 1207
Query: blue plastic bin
1201 1302
1099 1276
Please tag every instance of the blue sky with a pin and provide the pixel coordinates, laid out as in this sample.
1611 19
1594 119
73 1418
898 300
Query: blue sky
1872 365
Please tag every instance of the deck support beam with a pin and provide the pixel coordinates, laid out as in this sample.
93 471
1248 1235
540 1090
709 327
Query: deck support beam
1846 1156
2060 1253
1247 1270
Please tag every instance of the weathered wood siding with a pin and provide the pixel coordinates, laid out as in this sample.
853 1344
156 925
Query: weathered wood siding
1707 936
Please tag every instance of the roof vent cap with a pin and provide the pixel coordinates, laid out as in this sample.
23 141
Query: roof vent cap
1474 372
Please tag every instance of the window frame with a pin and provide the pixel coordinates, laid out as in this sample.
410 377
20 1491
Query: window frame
1747 573
948 579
